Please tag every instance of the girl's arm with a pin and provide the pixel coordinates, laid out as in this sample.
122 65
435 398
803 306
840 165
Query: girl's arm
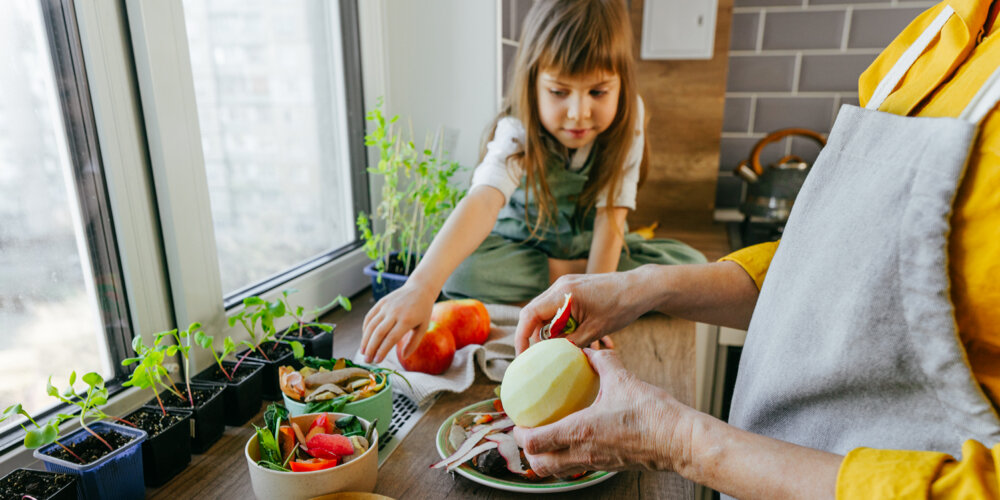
409 307
609 235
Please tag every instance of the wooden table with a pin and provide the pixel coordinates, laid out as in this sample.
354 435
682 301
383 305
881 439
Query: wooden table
658 349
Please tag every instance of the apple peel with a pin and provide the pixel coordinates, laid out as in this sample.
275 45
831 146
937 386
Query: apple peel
562 324
508 450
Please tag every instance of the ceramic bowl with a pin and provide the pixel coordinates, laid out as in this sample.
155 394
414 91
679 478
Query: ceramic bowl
378 406
357 475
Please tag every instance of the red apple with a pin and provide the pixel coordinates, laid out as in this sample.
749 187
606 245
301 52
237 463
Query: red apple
467 319
433 355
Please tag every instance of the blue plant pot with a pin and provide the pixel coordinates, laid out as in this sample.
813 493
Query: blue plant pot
389 281
117 475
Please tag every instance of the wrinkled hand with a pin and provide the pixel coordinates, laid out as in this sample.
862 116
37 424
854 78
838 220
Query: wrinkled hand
630 426
405 309
602 304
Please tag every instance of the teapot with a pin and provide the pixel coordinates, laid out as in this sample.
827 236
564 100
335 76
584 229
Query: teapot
769 193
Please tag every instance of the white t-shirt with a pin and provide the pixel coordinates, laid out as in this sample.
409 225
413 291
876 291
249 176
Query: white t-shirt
509 139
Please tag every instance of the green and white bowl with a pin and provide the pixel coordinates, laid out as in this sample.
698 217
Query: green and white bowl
378 406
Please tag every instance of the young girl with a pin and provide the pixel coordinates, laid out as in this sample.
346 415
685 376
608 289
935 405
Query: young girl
557 179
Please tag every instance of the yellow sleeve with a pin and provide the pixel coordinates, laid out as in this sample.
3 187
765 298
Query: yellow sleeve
754 260
870 473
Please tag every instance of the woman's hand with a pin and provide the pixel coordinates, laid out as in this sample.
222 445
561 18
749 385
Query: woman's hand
405 309
630 425
602 304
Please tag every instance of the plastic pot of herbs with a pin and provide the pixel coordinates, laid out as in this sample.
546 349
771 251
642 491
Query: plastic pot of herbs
208 412
41 485
167 449
311 455
243 388
316 338
111 456
386 281
272 355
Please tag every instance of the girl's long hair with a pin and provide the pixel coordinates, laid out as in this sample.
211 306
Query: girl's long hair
573 38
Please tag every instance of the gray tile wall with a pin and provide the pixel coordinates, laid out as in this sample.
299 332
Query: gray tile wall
792 63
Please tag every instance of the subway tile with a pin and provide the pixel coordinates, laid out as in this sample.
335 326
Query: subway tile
733 150
760 73
737 115
773 113
744 33
765 3
852 100
804 30
875 28
728 191
805 148
833 72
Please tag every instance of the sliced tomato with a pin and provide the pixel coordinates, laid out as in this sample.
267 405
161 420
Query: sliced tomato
314 464
325 444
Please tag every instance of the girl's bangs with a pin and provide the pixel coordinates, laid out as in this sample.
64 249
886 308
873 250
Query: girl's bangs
583 51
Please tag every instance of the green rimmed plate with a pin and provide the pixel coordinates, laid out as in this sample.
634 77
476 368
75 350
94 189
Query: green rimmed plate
549 485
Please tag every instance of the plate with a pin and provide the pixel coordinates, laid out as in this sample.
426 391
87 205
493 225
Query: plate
550 485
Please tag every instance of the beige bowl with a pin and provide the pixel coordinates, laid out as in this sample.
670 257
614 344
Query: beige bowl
357 475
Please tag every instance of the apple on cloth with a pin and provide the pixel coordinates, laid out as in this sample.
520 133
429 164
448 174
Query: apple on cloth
492 357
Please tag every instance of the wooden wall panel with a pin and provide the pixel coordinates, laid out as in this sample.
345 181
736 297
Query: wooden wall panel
686 100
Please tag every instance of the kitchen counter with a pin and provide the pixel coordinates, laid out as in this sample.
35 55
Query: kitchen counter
658 349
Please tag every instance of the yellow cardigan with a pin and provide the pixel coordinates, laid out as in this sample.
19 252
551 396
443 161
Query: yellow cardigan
940 84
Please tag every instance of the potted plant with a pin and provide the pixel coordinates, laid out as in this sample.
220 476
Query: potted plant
261 347
167 449
416 199
104 455
316 338
243 380
29 483
204 400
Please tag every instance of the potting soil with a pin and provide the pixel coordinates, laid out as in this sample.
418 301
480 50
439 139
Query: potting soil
32 483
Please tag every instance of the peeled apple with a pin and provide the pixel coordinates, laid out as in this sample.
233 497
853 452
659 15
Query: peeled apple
548 381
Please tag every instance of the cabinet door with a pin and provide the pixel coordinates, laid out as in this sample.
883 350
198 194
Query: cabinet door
678 29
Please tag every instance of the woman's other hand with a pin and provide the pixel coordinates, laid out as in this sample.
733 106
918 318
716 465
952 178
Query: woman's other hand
630 425
405 309
601 304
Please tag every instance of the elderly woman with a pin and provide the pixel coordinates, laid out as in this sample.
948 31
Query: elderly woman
873 353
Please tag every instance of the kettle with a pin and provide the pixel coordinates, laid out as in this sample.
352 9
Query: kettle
769 193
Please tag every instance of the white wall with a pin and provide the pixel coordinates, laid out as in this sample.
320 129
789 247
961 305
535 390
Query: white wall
435 62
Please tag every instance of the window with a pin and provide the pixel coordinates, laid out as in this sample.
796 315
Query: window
62 304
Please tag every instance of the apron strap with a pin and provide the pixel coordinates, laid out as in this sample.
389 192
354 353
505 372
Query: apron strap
892 78
984 101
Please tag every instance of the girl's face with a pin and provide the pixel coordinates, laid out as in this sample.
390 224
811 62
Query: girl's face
576 109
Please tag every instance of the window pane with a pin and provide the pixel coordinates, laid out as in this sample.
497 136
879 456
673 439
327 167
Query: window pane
269 85
49 314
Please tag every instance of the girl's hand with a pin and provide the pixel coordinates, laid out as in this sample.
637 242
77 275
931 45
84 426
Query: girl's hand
596 439
405 309
602 304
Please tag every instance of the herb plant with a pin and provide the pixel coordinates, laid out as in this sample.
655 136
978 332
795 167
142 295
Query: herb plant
416 195
89 403
182 346
151 371
258 311
228 346
41 435
298 314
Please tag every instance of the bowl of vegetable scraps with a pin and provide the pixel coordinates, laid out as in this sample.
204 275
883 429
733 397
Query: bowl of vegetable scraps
338 385
311 455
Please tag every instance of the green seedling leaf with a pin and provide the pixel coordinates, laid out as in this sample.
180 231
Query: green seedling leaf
92 379
172 350
229 345
204 340
51 389
297 350
36 438
253 301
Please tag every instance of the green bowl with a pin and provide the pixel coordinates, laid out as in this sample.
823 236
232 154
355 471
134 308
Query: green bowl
378 406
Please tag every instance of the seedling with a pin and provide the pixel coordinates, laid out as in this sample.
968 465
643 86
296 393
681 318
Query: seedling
298 314
150 371
258 311
182 346
89 403
207 342
416 195
41 435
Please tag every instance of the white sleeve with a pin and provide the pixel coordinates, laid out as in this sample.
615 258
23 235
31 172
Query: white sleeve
494 170
630 181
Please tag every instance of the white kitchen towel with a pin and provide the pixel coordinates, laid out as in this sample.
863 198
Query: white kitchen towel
493 357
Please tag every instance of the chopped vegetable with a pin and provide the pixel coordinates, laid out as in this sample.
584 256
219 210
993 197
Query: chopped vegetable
497 405
327 445
314 464
483 419
350 426
286 441
323 422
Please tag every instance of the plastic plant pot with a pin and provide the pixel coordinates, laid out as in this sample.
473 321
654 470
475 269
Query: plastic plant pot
242 394
167 453
207 418
320 344
270 390
388 283
378 406
34 482
117 475
358 475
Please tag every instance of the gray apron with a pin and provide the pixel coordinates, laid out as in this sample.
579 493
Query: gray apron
512 266
853 340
